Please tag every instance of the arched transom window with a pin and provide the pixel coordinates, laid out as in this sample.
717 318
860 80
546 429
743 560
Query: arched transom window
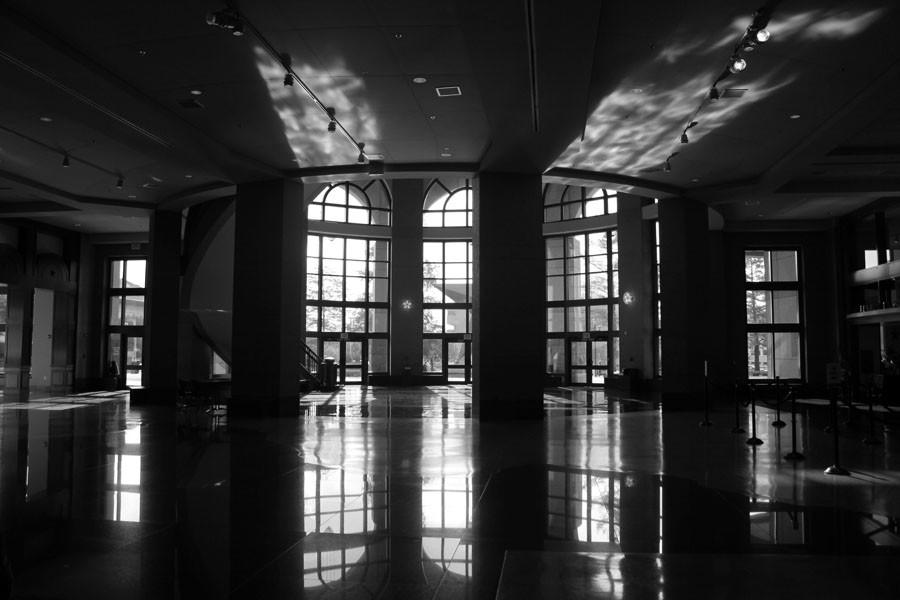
346 202
448 204
566 202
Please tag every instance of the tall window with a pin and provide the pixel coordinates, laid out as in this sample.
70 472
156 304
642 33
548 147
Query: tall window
566 202
774 326
447 308
4 304
448 204
125 318
657 304
347 310
346 202
582 273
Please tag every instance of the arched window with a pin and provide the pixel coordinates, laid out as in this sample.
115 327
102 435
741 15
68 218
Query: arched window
346 202
448 205
567 202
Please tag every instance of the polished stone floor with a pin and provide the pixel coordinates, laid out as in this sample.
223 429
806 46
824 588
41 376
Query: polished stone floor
397 493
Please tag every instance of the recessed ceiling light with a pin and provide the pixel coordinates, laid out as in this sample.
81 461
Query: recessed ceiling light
637 90
76 225
188 176
695 180
132 196
432 117
419 80
142 52
446 155
47 119
196 92
795 116
398 36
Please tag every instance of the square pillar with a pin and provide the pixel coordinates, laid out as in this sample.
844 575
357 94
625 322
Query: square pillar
160 350
508 317
269 268
684 270
406 279
636 256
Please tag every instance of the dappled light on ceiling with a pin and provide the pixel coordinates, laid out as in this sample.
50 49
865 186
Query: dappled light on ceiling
631 132
636 127
305 125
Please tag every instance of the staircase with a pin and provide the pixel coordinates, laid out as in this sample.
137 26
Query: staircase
309 368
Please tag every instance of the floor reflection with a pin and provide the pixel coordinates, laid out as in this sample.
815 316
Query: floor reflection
417 500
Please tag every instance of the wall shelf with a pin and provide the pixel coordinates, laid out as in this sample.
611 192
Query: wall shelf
879 315
882 272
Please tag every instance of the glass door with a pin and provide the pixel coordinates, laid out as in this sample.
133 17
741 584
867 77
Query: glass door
588 361
350 356
459 361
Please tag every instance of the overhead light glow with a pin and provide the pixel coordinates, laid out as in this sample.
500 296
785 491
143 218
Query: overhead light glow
737 65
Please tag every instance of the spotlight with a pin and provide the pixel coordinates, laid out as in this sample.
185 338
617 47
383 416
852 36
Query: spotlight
713 93
227 19
737 65
66 160
288 79
684 138
362 157
762 36
119 183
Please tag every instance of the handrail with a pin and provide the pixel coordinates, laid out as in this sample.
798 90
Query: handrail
310 364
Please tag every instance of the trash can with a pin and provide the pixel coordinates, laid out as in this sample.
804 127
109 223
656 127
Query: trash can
632 381
329 373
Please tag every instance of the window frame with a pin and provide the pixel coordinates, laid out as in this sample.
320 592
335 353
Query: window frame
773 328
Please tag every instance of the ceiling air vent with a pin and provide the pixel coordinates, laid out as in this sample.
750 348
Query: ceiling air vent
190 103
733 92
448 90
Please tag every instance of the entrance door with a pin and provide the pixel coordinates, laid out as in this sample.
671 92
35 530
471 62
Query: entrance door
459 361
350 355
126 352
588 362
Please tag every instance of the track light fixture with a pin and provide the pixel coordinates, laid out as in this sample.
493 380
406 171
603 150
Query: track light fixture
713 93
120 183
231 19
227 19
286 63
668 166
65 162
684 136
737 64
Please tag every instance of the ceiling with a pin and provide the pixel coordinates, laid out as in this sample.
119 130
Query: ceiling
146 92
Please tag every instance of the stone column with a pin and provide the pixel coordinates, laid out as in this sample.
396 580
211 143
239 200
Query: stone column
684 267
160 350
508 309
269 268
406 279
635 271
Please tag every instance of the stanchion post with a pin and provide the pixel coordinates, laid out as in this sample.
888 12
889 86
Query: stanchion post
737 412
836 468
753 440
778 422
705 422
794 454
870 439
